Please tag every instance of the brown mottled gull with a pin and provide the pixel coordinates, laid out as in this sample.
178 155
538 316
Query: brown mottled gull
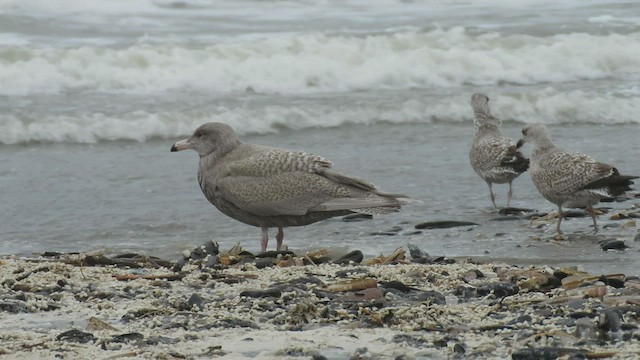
570 179
493 157
271 187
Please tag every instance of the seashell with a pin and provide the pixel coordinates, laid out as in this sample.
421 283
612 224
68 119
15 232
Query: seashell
96 324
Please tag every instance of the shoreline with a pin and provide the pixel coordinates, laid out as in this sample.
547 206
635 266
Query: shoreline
231 304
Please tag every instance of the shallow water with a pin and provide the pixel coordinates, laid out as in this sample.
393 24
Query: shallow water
129 196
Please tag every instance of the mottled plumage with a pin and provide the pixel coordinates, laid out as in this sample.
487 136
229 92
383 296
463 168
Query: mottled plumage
570 179
271 187
493 157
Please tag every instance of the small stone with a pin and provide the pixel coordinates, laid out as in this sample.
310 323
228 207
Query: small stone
445 224
76 336
196 300
612 245
357 217
355 256
272 292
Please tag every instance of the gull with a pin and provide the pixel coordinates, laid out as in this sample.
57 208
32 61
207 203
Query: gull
267 187
570 179
493 156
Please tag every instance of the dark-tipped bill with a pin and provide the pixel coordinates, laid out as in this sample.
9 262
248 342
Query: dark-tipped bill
181 145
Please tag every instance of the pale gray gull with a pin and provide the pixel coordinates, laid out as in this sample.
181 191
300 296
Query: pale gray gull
493 156
570 179
271 187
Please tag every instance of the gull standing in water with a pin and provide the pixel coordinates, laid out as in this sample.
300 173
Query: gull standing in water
570 179
268 187
493 157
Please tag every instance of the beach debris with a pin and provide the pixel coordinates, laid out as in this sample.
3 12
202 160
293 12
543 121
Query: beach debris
94 324
397 255
536 310
444 224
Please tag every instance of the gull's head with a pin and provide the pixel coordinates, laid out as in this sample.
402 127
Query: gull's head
481 112
536 134
209 137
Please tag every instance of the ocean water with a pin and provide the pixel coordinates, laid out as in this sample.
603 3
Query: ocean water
94 93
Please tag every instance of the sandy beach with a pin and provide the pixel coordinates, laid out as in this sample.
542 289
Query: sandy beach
233 305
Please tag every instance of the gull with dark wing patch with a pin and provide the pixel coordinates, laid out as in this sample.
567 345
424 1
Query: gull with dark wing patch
271 187
570 179
493 156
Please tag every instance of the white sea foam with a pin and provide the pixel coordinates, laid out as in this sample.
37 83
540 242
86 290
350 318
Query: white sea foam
546 105
311 63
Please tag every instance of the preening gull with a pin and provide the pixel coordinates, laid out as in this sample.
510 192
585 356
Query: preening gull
271 187
493 157
570 179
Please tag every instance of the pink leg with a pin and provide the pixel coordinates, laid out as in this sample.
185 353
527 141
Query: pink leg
265 237
592 212
493 197
509 194
279 238
560 215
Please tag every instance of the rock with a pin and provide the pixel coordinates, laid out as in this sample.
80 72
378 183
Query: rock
472 275
272 292
499 290
417 253
521 319
391 232
506 218
196 300
355 256
262 263
128 337
612 244
459 349
352 271
445 224
637 237
76 336
397 285
275 254
13 306
610 320
356 217
430 297
514 211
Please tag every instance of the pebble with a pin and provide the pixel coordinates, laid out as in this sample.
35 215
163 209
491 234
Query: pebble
445 224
